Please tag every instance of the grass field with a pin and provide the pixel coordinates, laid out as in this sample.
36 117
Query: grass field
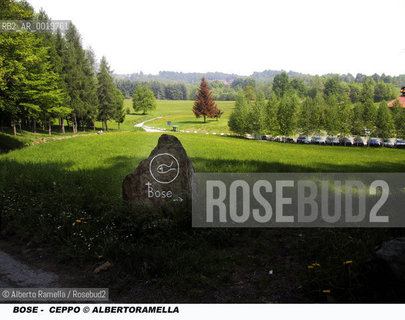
179 112
66 196
212 154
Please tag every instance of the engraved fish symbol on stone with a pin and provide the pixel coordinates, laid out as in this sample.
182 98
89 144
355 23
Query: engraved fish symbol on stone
164 168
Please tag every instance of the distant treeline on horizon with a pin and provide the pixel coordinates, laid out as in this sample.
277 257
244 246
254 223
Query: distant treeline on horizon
172 85
266 75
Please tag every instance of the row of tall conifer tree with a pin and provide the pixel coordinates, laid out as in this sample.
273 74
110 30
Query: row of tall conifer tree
49 77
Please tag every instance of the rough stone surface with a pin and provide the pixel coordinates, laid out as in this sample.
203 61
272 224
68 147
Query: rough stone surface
164 178
393 253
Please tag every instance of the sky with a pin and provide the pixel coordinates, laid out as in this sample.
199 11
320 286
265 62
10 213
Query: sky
232 36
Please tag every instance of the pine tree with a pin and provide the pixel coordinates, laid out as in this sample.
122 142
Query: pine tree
30 86
106 93
239 118
90 89
57 53
15 52
73 71
204 105
119 112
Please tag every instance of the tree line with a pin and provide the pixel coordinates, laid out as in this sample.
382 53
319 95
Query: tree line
263 76
161 90
49 77
269 75
172 76
333 108
176 90
376 86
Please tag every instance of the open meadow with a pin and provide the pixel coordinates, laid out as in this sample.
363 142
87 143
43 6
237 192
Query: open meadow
267 174
179 112
65 196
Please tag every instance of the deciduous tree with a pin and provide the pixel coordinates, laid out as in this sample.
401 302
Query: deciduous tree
281 84
258 114
398 115
143 99
384 123
271 110
287 115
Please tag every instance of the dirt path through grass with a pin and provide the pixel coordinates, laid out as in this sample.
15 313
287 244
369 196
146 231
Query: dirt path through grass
148 129
14 273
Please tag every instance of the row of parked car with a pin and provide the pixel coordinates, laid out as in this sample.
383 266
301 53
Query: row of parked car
342 141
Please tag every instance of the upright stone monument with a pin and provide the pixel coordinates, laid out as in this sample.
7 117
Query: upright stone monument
165 178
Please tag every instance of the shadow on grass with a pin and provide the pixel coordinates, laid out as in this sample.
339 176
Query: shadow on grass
140 114
8 143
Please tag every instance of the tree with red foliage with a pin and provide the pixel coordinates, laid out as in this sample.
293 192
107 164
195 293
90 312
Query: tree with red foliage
204 105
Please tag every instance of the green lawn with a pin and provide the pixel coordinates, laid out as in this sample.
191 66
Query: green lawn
66 196
119 153
179 112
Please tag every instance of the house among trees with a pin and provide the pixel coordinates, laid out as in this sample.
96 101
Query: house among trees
401 99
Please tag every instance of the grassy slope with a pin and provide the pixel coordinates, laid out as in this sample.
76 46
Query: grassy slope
8 142
180 113
45 189
177 111
212 154
108 158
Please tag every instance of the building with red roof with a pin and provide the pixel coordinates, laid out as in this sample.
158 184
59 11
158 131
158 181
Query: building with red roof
401 99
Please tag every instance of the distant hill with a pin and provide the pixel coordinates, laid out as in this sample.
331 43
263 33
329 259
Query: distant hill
189 77
266 75
195 77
